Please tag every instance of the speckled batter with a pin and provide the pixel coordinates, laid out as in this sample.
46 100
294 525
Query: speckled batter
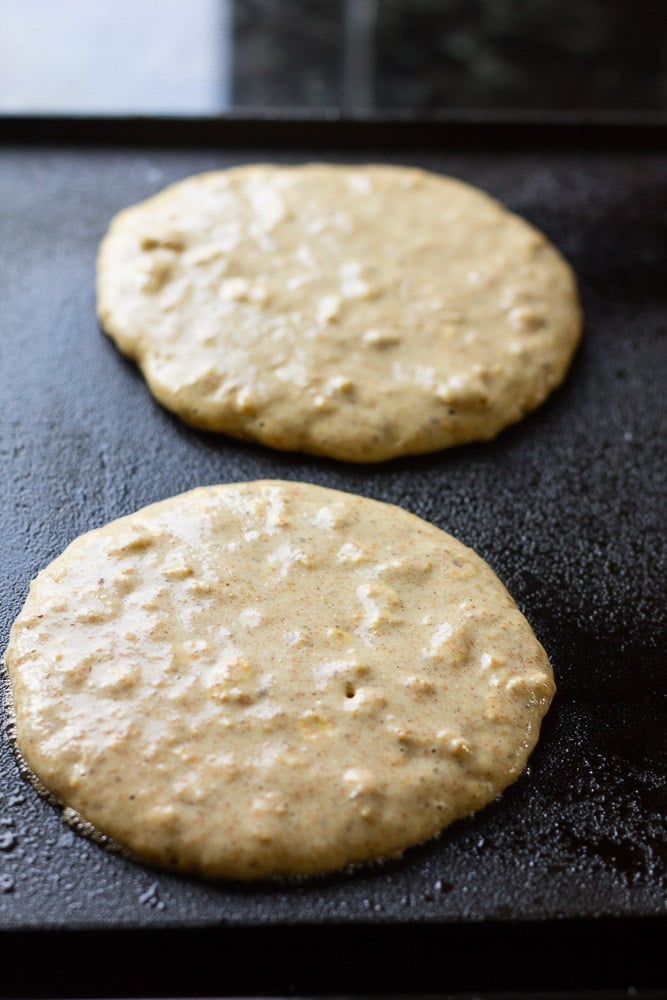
273 678
357 312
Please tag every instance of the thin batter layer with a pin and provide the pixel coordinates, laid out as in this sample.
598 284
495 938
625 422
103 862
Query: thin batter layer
272 678
358 312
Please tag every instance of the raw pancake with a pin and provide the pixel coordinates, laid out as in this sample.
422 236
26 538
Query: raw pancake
358 312
273 678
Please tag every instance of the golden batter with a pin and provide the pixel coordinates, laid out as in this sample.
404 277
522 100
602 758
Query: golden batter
358 312
273 678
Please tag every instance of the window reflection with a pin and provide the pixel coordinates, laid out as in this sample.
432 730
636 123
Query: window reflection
207 56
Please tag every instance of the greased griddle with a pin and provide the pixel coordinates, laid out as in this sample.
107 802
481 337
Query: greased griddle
562 881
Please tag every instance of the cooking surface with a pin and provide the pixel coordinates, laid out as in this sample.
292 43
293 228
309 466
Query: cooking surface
567 507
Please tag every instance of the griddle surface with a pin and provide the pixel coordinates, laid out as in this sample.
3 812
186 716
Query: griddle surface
567 507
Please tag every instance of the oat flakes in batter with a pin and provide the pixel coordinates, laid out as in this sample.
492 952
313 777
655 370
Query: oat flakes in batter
357 312
273 678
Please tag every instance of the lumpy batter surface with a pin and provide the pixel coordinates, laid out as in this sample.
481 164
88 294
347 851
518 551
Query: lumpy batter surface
357 312
272 678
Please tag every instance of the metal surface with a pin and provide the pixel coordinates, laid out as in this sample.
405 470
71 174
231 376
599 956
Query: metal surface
567 507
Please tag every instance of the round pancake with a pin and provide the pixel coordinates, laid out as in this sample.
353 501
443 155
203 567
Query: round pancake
357 312
273 678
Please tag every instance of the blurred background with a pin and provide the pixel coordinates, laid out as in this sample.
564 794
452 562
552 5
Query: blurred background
203 57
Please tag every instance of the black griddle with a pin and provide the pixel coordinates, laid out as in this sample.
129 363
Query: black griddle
560 883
